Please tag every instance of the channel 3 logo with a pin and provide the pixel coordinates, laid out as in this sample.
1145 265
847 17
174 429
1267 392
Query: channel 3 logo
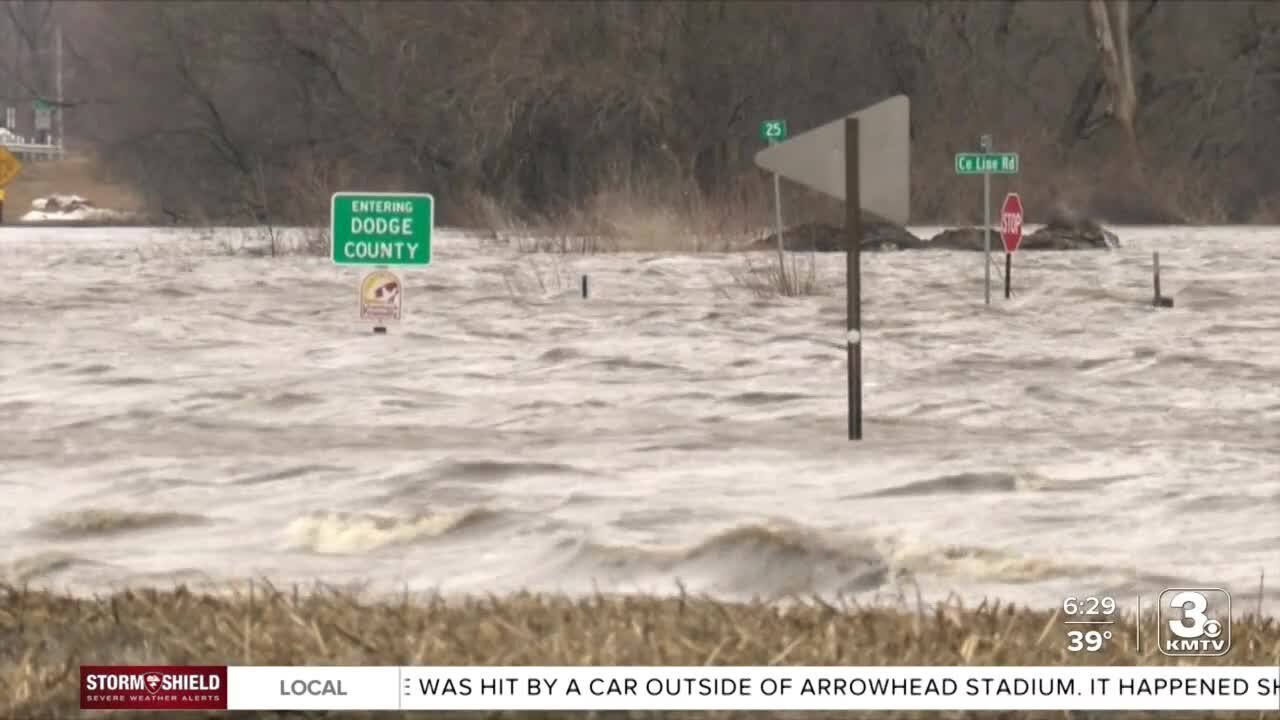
1195 622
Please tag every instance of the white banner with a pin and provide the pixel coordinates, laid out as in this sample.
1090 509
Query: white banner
754 688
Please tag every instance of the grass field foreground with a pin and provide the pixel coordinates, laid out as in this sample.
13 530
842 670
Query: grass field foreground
44 637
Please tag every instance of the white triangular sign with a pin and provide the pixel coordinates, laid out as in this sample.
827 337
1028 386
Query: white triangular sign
815 158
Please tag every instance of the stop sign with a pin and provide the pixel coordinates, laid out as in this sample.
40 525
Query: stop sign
1011 222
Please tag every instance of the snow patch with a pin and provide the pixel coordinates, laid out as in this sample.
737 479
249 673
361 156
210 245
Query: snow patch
71 208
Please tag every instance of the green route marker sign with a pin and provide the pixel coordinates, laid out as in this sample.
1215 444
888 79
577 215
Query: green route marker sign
773 130
392 229
983 163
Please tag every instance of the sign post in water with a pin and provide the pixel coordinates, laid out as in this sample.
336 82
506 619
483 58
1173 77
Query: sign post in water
773 132
986 164
388 229
1011 235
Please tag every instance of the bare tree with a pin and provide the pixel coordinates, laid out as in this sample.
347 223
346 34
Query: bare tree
228 109
1109 21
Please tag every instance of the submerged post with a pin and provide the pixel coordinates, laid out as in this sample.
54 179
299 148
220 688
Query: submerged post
1159 300
774 132
585 291
1155 274
782 246
853 275
1008 275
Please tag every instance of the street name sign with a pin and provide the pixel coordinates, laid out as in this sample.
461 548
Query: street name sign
984 163
391 229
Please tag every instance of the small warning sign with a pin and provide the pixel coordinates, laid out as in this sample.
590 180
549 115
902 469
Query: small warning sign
9 166
380 297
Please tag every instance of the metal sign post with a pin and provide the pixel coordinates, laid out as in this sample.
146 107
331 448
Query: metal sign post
774 132
777 212
853 275
986 163
986 221
875 178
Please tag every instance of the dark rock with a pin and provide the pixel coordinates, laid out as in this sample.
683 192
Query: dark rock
876 236
1075 234
969 238
1059 234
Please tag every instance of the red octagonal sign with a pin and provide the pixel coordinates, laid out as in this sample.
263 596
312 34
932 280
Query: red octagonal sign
1011 222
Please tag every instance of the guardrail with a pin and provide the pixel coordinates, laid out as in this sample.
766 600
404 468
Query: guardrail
33 151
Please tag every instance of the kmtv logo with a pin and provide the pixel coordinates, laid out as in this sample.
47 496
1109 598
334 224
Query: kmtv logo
1195 622
153 687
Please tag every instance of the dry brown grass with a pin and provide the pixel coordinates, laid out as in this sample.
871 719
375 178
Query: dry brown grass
792 275
684 222
72 176
533 276
660 217
45 637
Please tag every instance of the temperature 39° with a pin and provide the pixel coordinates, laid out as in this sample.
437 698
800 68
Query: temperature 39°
1089 641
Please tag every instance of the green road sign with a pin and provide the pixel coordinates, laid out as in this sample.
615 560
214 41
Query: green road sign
381 228
983 163
773 130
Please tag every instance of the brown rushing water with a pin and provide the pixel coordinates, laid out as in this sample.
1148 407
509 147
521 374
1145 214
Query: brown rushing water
169 413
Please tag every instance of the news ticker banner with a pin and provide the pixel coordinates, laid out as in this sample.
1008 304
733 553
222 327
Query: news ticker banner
1206 688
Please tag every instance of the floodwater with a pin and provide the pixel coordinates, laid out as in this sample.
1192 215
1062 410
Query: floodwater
171 413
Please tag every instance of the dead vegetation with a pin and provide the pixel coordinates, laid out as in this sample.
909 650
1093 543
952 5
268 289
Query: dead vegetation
535 276
552 108
788 275
44 637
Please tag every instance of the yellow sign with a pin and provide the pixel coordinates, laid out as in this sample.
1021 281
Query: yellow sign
380 294
9 166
